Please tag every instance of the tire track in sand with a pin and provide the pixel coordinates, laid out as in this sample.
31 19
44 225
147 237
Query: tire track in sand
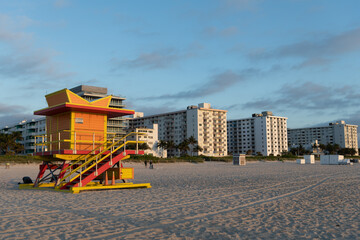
47 225
245 191
161 225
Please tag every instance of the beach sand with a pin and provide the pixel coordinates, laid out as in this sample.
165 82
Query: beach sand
262 200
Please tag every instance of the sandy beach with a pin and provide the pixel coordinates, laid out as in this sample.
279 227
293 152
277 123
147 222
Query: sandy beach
263 200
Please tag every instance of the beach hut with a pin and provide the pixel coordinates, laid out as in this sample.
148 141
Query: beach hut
309 159
300 161
239 159
79 154
331 159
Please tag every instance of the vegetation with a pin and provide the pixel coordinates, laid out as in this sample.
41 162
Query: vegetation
183 147
299 151
347 151
288 156
197 148
9 143
170 145
188 145
9 147
332 148
141 146
327 149
141 158
19 159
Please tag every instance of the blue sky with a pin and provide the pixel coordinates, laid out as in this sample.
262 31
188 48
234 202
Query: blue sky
297 58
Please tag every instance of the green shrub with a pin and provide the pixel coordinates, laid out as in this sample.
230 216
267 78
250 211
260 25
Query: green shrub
20 159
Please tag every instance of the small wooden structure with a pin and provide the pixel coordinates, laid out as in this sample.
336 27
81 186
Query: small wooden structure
300 161
331 159
309 159
239 159
79 154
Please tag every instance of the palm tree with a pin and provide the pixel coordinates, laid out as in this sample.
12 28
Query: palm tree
192 141
332 148
144 146
322 146
9 144
301 150
170 145
163 146
183 146
197 149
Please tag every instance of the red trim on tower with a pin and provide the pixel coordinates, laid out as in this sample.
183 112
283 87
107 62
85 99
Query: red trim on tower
110 112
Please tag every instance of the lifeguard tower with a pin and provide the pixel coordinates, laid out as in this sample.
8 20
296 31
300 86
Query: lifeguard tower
78 152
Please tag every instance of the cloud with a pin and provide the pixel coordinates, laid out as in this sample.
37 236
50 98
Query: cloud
314 52
226 6
312 62
225 32
9 29
217 83
10 114
159 59
308 96
61 3
6 109
151 110
12 119
353 118
241 4
21 58
29 64
152 60
140 32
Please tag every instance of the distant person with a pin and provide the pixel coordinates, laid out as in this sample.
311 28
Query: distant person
7 166
151 166
145 162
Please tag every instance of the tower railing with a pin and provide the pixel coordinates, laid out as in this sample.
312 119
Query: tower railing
81 166
56 141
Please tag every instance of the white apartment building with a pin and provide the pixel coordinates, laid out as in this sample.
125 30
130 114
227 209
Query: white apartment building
336 133
206 125
151 138
262 133
28 129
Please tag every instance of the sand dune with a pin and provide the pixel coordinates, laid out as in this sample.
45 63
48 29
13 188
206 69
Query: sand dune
262 200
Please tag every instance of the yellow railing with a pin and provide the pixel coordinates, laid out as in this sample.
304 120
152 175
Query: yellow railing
114 147
71 139
84 157
85 167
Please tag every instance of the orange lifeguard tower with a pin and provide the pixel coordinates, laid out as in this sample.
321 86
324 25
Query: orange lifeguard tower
78 152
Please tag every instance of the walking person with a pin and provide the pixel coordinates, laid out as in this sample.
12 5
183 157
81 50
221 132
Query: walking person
145 162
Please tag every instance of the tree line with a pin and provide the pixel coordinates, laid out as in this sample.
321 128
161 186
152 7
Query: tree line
328 148
189 144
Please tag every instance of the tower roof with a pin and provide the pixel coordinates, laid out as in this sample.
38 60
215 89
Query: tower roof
65 101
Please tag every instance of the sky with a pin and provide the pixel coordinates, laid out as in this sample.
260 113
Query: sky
299 59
